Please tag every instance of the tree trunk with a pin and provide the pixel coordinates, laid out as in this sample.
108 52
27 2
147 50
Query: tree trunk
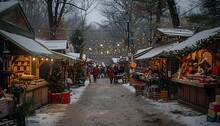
159 12
52 29
173 13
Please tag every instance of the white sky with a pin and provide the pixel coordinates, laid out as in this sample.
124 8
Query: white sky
184 5
95 15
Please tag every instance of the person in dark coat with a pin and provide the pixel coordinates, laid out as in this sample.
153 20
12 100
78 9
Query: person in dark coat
110 74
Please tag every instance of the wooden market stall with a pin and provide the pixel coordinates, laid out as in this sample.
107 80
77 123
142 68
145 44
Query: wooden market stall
197 78
154 74
21 56
154 68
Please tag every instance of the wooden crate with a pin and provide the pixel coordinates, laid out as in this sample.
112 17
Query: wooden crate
150 95
156 96
164 95
139 92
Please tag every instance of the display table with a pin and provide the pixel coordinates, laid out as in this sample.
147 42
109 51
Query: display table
119 79
195 94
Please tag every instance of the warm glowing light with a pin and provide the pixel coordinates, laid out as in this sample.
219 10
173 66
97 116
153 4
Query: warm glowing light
101 45
51 59
34 59
90 48
46 58
117 44
42 58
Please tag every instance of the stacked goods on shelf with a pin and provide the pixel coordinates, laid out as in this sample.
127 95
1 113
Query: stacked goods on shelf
22 65
214 110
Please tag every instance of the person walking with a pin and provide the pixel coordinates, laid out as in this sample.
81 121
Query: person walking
95 73
110 74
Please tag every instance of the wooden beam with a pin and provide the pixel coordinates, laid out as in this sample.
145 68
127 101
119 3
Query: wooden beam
213 53
41 62
179 58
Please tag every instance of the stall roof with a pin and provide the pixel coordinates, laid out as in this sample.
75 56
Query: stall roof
28 45
193 40
53 44
142 52
157 50
64 56
77 55
115 60
176 32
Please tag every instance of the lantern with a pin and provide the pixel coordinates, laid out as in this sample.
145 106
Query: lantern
7 71
6 58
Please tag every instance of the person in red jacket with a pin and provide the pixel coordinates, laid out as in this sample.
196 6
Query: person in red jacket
95 73
110 74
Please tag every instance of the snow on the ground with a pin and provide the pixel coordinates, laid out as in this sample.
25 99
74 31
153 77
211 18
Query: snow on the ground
184 114
51 113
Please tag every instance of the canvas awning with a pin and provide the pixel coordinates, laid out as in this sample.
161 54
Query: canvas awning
157 50
29 45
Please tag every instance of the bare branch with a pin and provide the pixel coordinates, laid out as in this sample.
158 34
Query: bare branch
73 5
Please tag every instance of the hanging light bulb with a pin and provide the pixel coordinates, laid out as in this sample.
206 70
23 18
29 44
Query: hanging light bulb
34 58
51 60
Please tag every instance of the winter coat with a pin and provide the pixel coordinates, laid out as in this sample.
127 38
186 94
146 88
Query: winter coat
95 71
110 72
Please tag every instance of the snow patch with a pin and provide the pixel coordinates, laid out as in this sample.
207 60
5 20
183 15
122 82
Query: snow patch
51 113
178 112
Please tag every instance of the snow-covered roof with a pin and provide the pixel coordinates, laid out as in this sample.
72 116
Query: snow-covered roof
157 50
6 5
77 55
65 55
142 50
193 40
115 60
176 32
53 44
29 45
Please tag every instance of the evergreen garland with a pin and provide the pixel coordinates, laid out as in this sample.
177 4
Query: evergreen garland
203 43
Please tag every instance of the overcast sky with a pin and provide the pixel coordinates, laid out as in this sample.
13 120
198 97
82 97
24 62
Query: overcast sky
184 5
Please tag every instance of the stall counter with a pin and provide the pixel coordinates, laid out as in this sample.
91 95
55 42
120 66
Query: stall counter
195 94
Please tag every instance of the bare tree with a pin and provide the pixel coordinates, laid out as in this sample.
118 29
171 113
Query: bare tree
57 9
119 12
36 13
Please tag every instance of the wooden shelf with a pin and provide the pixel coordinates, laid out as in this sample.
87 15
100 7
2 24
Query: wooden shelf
22 64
